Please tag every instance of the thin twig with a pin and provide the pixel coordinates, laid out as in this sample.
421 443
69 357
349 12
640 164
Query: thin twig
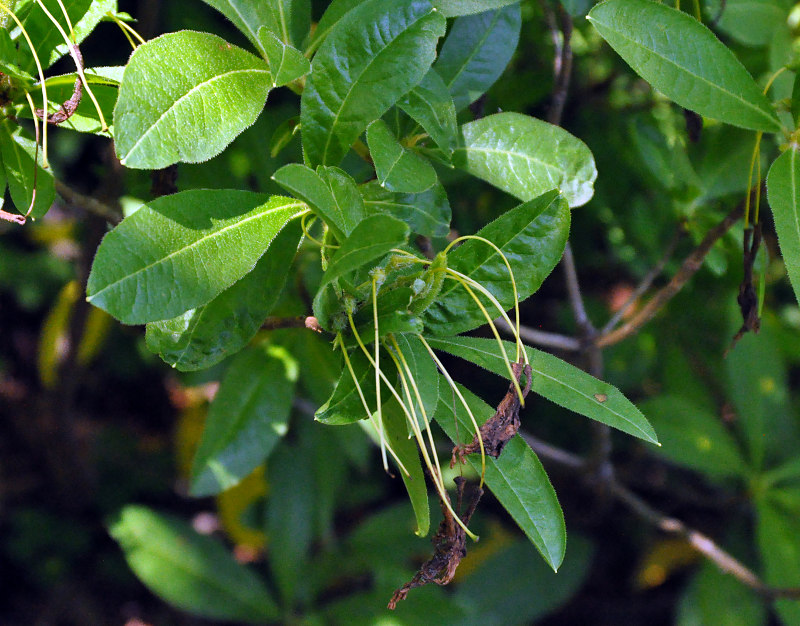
574 290
690 265
541 338
699 541
645 283
562 63
87 203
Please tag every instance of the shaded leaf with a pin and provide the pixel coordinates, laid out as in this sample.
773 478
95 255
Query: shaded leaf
526 157
372 239
532 236
358 73
752 22
25 177
684 61
424 373
345 405
184 97
427 213
517 479
333 14
778 527
247 418
431 106
477 50
190 571
206 335
398 169
783 192
181 251
454 8
285 62
248 16
558 381
692 437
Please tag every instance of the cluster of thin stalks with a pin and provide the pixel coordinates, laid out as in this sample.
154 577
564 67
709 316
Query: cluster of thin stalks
408 395
66 109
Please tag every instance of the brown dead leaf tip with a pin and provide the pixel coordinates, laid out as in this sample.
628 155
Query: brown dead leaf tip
449 547
499 429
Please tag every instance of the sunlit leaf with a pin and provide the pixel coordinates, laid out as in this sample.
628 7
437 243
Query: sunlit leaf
431 106
285 62
398 169
783 191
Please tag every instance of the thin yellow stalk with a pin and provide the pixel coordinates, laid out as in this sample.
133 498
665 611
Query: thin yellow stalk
35 152
456 390
66 18
78 66
520 349
126 27
378 368
305 228
435 471
40 71
411 419
756 151
366 406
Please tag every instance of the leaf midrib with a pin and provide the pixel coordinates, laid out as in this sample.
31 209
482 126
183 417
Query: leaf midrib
183 97
699 78
198 242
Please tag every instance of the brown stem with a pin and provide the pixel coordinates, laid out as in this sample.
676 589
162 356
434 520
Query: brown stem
87 203
690 265
70 106
562 64
699 541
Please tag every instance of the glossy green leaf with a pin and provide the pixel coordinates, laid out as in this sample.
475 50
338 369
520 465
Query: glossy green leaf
778 514
184 97
692 437
333 14
346 197
288 19
517 479
190 571
358 72
431 106
783 192
247 418
49 44
532 237
454 8
309 186
476 51
684 61
293 18
372 239
181 251
285 62
558 381
396 425
27 181
398 169
426 213
526 157
345 405
206 335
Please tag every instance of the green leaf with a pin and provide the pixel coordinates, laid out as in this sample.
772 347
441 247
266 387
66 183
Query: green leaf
427 213
85 118
25 177
181 251
398 169
184 97
517 479
526 157
345 405
476 52
372 239
190 571
692 437
285 62
783 192
752 22
777 531
432 107
386 48
423 371
248 417
396 426
558 381
454 8
204 336
283 134
293 19
309 186
248 16
532 237
684 61
346 197
50 45
333 14
796 99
